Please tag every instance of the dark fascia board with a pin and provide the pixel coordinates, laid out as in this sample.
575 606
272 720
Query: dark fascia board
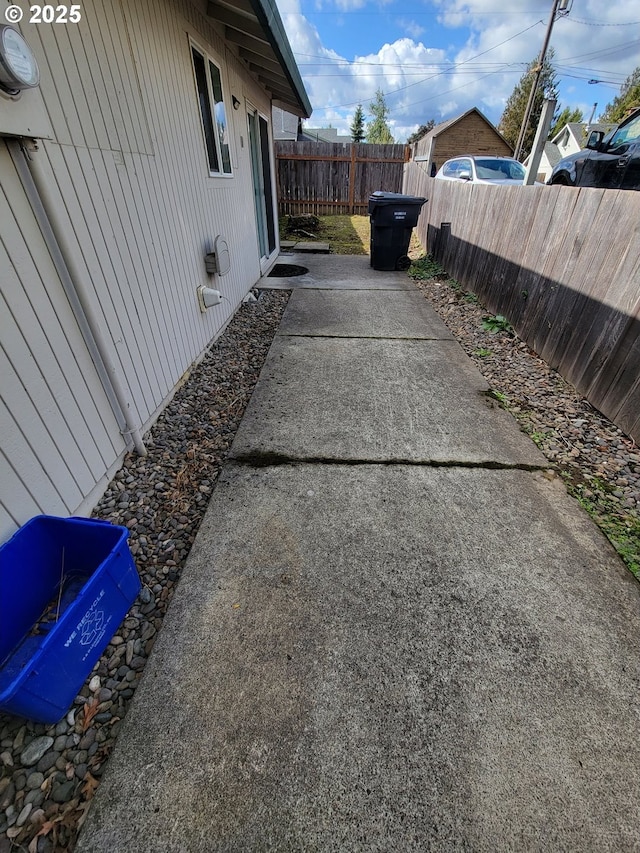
269 18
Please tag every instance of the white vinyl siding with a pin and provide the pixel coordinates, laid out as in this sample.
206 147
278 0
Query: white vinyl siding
125 168
58 434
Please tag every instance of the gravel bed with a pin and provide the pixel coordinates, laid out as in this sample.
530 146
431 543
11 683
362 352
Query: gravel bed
598 462
50 773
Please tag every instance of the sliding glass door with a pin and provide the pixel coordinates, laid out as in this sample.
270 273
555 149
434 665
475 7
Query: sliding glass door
263 184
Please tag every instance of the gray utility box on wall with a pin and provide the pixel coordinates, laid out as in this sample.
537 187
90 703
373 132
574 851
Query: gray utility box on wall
392 216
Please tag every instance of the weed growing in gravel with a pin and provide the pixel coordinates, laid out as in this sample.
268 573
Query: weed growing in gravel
425 268
500 397
540 437
621 527
482 352
470 297
499 323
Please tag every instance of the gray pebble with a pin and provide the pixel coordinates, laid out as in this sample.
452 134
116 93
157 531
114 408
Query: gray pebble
34 780
47 761
60 743
145 595
63 792
24 814
36 797
80 757
35 750
88 738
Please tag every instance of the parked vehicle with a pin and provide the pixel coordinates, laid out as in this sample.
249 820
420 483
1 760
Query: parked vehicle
610 162
482 169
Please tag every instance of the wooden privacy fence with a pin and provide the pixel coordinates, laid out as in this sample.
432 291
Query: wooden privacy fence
333 177
562 264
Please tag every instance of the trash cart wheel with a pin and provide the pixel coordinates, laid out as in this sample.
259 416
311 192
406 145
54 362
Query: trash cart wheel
403 263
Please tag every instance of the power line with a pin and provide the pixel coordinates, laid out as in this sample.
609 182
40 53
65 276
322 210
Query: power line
439 74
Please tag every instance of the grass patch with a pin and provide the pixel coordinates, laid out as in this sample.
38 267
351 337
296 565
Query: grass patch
346 235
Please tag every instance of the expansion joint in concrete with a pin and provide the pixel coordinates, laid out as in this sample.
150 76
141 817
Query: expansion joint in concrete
268 459
365 337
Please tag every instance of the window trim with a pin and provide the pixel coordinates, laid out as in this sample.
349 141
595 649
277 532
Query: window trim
208 61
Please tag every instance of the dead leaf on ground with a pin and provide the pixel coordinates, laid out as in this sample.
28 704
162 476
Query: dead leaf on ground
45 829
90 786
90 710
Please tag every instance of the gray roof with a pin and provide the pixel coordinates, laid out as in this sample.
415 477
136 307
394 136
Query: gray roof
256 29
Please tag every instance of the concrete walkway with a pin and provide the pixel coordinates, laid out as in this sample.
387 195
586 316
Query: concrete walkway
395 631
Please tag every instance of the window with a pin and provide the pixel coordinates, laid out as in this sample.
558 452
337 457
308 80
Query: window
452 168
213 113
630 132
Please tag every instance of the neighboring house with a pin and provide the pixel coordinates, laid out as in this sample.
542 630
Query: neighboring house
469 133
571 139
289 128
148 137
322 134
286 126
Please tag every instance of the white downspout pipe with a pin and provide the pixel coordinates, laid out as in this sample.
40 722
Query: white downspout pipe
36 185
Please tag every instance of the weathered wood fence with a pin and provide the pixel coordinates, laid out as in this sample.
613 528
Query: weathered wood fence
332 178
562 264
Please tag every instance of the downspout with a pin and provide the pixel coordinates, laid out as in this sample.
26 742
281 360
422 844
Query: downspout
37 188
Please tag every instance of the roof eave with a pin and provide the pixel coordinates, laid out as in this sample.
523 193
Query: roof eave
269 18
255 28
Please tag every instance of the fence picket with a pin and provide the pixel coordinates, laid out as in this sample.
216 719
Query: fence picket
333 177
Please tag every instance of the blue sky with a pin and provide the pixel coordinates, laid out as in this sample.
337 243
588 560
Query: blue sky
435 59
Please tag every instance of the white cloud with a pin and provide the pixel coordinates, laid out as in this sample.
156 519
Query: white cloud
411 28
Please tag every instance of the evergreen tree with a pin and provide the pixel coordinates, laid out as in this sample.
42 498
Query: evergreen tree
421 131
628 98
378 130
357 125
567 116
515 108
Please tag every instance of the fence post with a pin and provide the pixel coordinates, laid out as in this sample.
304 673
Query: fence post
352 181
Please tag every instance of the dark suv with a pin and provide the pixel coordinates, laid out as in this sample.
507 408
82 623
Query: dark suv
610 162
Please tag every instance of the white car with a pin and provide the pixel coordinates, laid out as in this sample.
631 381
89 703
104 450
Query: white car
478 169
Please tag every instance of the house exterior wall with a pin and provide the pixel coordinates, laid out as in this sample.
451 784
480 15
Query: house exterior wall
59 436
470 135
128 172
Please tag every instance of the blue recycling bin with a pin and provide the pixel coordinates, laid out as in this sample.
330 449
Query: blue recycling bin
65 586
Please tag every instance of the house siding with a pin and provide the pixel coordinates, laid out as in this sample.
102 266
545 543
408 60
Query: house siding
59 434
128 171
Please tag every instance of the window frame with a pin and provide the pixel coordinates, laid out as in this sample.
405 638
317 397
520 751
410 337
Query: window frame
213 128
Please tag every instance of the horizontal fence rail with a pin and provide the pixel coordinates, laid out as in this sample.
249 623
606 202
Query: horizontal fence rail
562 264
335 178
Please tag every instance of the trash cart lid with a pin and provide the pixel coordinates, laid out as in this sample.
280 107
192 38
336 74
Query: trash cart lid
380 198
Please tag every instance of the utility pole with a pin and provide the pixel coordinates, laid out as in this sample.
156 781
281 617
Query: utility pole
560 7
